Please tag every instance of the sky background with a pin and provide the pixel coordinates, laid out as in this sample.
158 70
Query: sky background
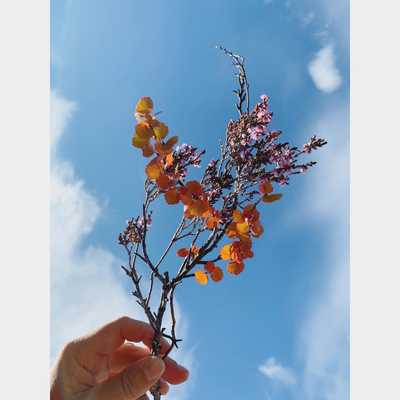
280 330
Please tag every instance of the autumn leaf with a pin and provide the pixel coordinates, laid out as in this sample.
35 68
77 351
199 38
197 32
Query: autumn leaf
235 268
163 182
209 266
183 252
153 169
160 130
237 216
243 227
226 252
143 131
172 196
194 187
144 105
201 277
266 187
166 148
217 274
269 198
147 150
139 142
257 229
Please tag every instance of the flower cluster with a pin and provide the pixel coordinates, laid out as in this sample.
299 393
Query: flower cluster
225 201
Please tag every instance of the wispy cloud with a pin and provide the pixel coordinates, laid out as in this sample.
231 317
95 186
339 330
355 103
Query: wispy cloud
86 282
307 18
324 334
323 71
85 289
323 339
276 372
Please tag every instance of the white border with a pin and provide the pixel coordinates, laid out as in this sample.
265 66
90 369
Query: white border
24 210
375 200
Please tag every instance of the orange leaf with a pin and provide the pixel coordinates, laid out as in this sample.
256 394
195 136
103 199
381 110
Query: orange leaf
169 160
166 148
143 131
217 274
147 150
235 268
163 182
250 212
172 196
144 105
183 252
201 277
257 229
269 198
231 230
226 252
185 196
209 266
153 169
194 187
198 207
237 216
266 187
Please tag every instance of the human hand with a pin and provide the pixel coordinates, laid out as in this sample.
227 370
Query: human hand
102 366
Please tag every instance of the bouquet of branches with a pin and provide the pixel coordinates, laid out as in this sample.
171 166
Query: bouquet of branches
224 203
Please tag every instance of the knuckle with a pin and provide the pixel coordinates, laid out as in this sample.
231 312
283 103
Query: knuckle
123 319
70 347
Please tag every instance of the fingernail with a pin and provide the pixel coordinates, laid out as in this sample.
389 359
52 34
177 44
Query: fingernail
154 368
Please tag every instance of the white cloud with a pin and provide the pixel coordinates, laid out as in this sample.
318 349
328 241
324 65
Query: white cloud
324 338
307 18
87 287
324 333
323 70
276 372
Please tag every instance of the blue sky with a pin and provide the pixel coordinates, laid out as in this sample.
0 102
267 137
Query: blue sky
280 330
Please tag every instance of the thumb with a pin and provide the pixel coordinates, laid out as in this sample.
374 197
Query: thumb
131 383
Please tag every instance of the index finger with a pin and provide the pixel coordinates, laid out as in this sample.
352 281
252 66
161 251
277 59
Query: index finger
111 336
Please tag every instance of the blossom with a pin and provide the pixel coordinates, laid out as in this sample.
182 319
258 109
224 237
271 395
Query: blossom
254 159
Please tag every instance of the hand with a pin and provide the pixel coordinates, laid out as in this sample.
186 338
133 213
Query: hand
102 366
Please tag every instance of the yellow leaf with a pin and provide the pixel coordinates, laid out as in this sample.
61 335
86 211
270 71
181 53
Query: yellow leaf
269 198
201 277
144 105
139 142
160 130
242 227
226 252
